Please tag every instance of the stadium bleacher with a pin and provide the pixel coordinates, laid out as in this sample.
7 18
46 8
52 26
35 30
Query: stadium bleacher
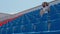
33 23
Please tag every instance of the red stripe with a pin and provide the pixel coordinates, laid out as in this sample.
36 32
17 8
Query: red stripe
8 20
1 24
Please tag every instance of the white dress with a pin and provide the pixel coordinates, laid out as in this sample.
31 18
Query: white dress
45 9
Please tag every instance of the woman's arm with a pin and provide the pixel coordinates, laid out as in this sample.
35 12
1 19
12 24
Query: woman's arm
41 13
48 9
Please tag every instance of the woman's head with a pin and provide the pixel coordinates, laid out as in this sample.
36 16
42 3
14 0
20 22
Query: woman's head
44 4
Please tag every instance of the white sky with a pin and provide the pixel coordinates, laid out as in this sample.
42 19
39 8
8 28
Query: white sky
15 6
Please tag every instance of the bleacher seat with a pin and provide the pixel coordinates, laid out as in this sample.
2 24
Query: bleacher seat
33 22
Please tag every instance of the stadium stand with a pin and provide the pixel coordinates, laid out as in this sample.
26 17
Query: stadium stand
33 23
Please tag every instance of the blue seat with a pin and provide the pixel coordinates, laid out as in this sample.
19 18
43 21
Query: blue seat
55 25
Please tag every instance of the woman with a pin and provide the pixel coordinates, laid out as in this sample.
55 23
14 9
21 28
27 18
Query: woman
45 8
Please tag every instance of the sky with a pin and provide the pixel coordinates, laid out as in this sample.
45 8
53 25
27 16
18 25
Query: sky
15 6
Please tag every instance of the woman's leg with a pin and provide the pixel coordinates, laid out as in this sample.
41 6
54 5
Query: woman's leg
49 25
